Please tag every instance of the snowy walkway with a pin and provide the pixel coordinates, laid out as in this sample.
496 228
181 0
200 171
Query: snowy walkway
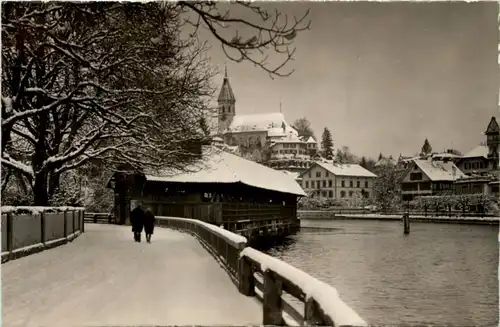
103 278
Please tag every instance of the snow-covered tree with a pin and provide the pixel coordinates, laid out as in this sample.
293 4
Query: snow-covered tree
344 156
386 188
426 148
363 163
355 201
327 144
303 127
114 82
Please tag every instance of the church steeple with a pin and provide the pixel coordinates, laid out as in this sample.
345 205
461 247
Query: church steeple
227 102
226 92
493 142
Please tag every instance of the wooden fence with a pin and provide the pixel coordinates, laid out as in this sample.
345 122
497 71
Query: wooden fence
269 279
98 217
37 229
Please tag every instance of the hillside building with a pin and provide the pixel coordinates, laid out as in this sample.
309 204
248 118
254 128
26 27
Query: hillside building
264 138
337 181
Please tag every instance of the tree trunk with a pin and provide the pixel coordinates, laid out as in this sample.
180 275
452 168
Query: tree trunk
53 186
40 190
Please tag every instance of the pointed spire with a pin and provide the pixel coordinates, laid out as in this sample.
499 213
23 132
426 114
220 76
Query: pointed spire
493 127
226 92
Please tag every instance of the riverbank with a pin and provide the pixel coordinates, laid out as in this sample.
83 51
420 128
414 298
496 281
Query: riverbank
322 215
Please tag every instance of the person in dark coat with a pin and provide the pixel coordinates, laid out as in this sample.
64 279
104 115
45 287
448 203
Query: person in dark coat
137 221
149 224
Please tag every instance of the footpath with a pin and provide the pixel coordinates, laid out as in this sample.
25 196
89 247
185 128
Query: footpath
104 278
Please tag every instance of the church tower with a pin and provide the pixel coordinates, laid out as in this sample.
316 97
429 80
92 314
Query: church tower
493 142
226 103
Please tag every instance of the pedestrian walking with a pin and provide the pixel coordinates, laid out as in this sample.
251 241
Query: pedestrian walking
149 224
137 221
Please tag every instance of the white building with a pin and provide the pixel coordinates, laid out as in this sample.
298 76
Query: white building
337 181
265 138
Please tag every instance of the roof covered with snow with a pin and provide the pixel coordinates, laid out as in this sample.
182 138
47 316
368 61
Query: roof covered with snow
311 139
217 139
220 166
273 123
479 151
290 138
292 174
445 155
439 171
354 170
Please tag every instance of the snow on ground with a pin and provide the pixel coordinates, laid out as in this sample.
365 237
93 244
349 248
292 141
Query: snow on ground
103 278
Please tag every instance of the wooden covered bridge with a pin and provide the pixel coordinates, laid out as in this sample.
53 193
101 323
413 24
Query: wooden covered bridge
223 189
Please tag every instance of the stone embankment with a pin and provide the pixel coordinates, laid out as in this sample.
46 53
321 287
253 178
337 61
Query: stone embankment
329 215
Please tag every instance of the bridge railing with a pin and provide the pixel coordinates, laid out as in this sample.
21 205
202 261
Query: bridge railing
222 244
275 282
27 230
271 280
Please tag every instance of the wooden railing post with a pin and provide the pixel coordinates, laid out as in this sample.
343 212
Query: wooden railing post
65 224
42 227
246 283
82 220
272 303
312 313
10 231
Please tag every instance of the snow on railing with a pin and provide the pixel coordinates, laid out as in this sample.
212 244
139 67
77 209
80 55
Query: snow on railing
322 304
37 210
28 230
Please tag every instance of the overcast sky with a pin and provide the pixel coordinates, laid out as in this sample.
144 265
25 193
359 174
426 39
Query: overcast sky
384 76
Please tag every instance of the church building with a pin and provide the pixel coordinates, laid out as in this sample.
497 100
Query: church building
261 137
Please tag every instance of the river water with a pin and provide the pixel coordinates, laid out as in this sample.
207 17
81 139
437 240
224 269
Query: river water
440 274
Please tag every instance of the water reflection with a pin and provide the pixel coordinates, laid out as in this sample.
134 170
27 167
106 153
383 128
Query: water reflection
438 274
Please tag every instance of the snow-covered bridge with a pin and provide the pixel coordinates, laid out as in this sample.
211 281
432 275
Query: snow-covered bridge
103 278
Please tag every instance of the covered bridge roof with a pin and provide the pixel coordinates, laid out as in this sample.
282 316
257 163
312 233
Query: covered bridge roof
218 166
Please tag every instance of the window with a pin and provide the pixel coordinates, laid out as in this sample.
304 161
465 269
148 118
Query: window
367 194
312 184
350 193
342 194
309 174
416 176
467 166
327 174
330 194
330 182
307 184
358 184
318 174
324 183
342 183
323 194
366 183
207 197
350 183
